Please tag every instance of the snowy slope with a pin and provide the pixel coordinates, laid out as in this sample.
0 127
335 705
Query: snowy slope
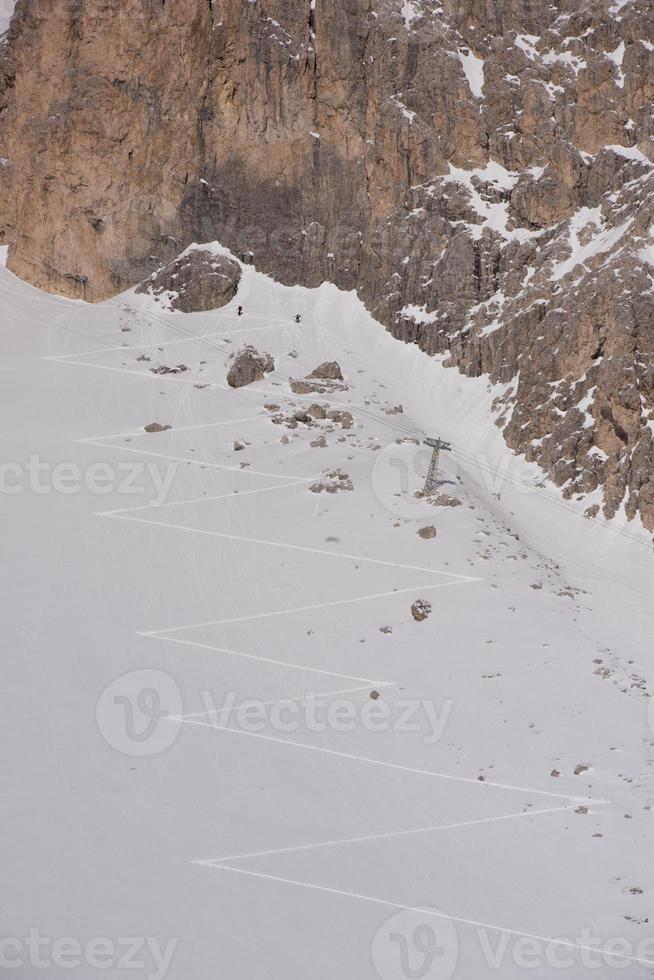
300 839
6 10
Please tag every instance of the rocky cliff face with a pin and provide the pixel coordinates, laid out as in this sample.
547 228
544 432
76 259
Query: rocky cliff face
480 171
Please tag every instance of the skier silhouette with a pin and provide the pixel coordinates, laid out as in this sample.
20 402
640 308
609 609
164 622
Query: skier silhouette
240 311
298 318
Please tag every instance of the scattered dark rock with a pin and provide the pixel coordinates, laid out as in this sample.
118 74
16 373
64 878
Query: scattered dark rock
344 419
157 427
428 533
310 415
333 482
420 610
164 369
306 387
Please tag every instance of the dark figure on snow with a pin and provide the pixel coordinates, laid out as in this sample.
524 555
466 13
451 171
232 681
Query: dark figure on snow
298 318
240 311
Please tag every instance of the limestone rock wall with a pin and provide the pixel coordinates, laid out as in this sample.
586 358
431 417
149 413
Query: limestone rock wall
480 171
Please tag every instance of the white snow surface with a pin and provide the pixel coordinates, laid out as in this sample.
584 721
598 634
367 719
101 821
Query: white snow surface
407 113
630 152
617 57
493 214
419 313
295 850
598 243
474 70
409 13
6 10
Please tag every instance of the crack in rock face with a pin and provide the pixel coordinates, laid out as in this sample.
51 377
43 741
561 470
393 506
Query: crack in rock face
482 177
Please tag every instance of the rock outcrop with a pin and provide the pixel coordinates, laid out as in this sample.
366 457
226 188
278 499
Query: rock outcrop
480 172
198 280
248 366
329 371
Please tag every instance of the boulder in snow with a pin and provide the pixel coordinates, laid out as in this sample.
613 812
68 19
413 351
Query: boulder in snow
329 371
344 419
248 366
420 610
444 500
198 280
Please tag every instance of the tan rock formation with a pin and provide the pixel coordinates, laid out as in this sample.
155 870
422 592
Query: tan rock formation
479 172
